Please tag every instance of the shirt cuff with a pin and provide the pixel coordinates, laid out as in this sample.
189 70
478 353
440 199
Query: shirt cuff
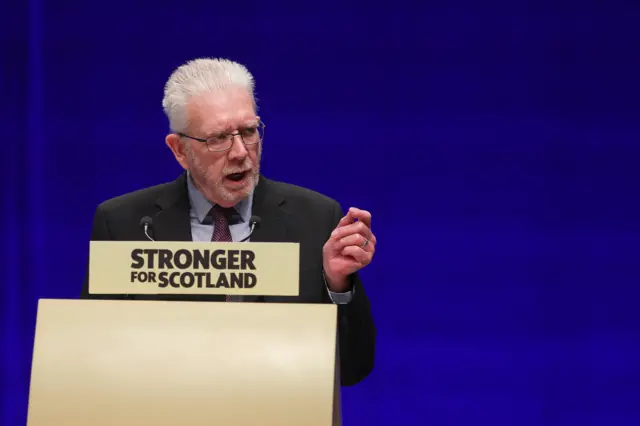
338 298
341 298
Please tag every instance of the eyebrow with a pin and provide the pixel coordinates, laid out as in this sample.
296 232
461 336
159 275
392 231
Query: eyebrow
248 123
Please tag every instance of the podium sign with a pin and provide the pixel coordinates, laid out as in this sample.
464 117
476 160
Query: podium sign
132 267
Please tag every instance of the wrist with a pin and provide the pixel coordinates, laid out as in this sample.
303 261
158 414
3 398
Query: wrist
336 284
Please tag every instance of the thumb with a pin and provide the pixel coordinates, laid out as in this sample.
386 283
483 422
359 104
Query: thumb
346 220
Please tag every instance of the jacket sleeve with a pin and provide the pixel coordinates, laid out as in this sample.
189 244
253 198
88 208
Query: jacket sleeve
99 232
356 329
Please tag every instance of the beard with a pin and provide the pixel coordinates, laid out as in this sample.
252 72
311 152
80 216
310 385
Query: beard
212 185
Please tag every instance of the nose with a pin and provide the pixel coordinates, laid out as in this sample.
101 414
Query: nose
237 150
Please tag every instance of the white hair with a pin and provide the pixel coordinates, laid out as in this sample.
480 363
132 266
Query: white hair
197 77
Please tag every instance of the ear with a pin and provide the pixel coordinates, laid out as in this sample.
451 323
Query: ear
176 146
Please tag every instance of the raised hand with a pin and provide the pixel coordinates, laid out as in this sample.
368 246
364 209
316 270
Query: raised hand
350 248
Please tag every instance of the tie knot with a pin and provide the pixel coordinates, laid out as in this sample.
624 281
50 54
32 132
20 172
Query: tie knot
219 213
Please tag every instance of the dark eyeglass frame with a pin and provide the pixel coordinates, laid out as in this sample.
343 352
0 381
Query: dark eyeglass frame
230 136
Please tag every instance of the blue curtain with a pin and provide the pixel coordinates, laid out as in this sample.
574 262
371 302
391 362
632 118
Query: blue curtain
496 145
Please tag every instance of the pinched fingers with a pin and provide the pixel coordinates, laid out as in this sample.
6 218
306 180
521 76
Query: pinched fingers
354 228
357 240
362 215
358 253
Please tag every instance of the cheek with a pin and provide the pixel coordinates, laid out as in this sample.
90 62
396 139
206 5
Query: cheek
207 162
254 155
215 166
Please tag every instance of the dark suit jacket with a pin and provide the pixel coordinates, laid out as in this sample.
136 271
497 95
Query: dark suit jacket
288 214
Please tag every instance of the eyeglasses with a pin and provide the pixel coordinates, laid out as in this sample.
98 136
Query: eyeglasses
219 142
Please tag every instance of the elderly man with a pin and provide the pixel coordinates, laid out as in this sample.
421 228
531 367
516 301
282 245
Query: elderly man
216 136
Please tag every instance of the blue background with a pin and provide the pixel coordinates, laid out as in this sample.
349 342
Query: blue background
497 145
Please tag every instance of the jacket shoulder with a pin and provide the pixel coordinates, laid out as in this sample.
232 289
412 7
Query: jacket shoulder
304 195
134 200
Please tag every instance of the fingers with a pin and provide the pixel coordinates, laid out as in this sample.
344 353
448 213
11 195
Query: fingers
361 215
346 220
352 240
361 256
357 240
355 228
353 214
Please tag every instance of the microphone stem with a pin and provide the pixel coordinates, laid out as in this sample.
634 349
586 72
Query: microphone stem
253 226
146 231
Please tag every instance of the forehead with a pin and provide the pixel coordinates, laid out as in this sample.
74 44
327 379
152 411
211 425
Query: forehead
221 110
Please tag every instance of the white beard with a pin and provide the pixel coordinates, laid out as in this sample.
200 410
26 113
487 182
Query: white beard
213 187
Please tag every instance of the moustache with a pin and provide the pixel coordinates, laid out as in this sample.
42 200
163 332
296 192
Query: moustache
245 167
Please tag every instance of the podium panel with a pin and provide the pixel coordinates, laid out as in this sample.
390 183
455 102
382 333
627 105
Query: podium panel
139 363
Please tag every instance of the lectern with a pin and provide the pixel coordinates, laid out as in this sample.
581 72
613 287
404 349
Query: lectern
162 363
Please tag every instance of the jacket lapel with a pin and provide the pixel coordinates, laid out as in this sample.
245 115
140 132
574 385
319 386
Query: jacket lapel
268 204
172 223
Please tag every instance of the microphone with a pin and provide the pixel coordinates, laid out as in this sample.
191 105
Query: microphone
254 222
146 222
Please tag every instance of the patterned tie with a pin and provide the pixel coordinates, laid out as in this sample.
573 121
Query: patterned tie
221 231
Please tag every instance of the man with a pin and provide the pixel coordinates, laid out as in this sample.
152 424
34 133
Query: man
216 136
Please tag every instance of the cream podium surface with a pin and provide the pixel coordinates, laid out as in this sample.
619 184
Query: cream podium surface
108 363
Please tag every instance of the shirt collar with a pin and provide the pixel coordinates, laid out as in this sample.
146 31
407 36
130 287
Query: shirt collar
201 206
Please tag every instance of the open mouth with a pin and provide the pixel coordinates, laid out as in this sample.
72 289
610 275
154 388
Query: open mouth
237 177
